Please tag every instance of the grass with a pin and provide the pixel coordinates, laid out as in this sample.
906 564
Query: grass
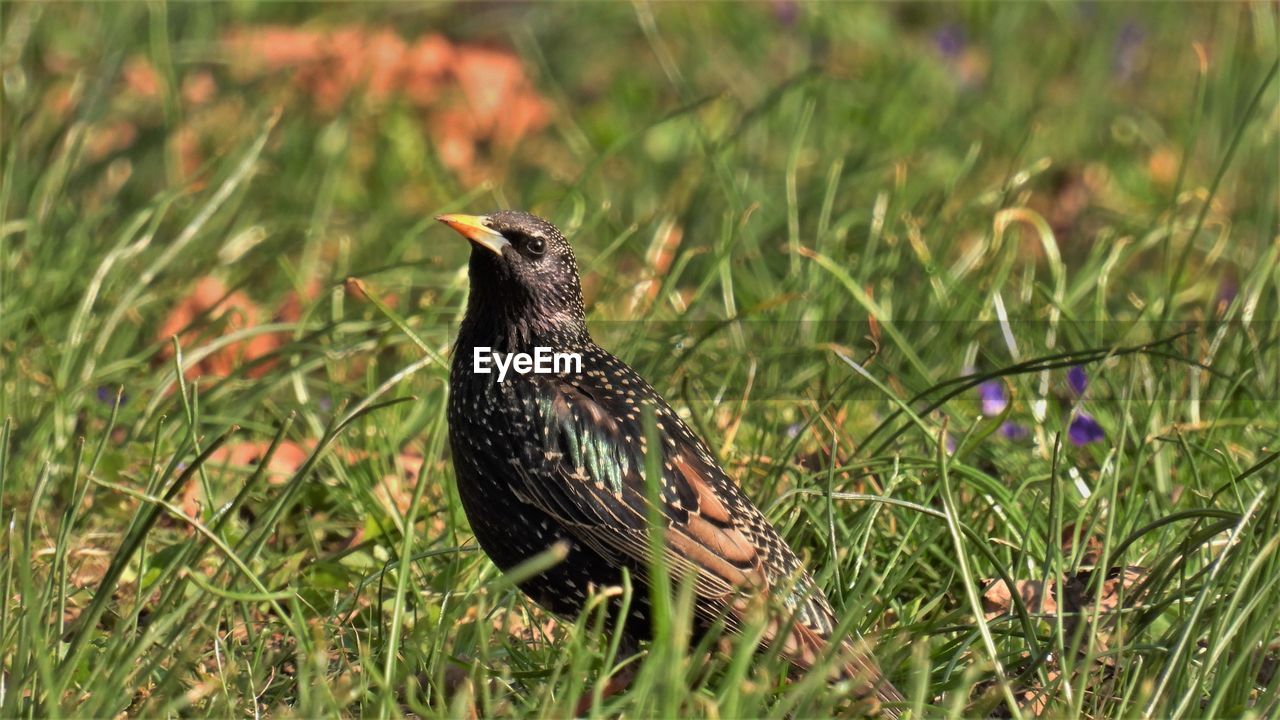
822 230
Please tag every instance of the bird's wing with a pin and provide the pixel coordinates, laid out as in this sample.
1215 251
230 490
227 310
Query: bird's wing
590 460
590 463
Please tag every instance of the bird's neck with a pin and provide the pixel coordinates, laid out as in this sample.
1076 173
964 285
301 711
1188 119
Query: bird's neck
506 327
503 316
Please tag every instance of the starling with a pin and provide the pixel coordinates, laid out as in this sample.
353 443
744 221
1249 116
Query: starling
559 457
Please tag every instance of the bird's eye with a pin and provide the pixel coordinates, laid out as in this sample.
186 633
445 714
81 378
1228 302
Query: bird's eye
535 246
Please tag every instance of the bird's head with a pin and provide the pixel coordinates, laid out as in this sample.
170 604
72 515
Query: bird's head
522 272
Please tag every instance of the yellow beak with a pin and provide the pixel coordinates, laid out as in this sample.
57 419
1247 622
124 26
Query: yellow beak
473 228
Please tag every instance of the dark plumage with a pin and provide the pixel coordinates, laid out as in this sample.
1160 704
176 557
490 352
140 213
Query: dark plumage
560 457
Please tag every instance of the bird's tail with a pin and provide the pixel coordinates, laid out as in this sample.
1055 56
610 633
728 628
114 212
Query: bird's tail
872 685
857 664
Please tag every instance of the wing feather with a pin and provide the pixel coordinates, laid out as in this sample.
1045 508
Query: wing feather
591 478
589 465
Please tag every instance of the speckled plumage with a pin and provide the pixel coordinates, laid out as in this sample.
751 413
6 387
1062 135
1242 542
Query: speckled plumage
547 458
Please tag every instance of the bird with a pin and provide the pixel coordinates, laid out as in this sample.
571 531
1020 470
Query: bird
558 459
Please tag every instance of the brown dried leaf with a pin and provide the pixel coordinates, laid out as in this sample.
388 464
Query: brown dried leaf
210 305
140 77
425 66
492 102
199 87
106 140
997 599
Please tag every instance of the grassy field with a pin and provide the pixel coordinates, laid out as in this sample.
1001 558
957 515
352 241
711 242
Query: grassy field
978 301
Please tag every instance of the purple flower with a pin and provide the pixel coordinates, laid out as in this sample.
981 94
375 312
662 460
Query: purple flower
107 395
1084 430
950 40
994 401
1014 431
1128 47
785 12
1077 379
1227 291
949 441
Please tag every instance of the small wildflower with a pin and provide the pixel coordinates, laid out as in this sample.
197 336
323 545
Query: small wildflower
1227 291
966 62
1013 431
1084 430
994 400
1077 379
1128 50
107 394
785 12
949 40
